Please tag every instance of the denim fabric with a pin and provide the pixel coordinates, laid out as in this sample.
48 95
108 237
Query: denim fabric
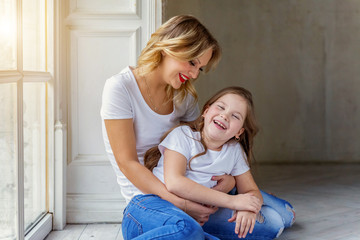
282 207
275 215
150 217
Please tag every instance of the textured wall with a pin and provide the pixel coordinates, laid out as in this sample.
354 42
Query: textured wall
301 60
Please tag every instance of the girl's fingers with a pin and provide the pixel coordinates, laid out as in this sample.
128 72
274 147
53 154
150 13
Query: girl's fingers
237 225
233 218
252 226
242 227
246 229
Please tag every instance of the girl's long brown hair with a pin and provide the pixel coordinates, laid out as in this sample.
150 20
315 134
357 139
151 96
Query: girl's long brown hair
246 140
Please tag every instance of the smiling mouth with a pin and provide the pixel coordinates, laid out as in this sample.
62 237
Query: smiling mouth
183 78
219 124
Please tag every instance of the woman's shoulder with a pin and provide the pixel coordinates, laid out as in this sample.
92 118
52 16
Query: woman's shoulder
124 77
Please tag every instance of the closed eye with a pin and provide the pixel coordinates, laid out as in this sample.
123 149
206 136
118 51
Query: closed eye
221 107
193 64
236 117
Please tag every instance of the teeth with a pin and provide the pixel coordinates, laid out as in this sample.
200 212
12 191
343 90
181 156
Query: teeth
220 124
183 77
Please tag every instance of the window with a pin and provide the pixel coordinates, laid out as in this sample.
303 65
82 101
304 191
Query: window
24 112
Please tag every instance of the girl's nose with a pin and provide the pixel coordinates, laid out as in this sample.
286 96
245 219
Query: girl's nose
224 116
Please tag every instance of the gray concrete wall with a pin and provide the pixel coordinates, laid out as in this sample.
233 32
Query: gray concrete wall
301 61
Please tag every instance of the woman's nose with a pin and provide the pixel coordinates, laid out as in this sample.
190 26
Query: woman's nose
194 73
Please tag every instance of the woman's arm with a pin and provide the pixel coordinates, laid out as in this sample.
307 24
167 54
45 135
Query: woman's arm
176 182
123 144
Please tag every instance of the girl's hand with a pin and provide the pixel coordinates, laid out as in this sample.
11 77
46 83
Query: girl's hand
225 183
199 212
245 222
246 202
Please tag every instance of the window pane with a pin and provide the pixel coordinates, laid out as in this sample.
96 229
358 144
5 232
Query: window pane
34 35
8 159
7 35
34 152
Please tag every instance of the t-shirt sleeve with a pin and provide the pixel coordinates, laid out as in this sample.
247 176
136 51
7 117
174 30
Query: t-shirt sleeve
116 102
240 165
177 140
192 109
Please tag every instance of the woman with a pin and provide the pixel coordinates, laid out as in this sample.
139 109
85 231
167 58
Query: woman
140 104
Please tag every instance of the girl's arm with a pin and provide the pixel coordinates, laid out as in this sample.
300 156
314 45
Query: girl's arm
245 183
245 220
176 182
123 144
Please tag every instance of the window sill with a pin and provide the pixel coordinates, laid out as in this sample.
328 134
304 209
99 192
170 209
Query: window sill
41 230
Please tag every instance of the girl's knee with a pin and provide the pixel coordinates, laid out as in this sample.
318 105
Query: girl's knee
289 219
272 221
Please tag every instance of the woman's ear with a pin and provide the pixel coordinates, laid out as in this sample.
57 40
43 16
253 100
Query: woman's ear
240 132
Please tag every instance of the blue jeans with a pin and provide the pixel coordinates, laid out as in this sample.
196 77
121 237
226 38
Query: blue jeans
150 217
275 215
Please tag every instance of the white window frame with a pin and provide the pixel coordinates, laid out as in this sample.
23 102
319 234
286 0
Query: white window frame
45 224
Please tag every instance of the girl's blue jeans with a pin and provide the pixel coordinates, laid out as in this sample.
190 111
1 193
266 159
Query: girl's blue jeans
150 217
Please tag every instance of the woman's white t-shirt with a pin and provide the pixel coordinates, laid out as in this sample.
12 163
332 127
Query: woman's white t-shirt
122 99
231 159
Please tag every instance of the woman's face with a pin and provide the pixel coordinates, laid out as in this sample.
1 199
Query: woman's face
224 119
175 72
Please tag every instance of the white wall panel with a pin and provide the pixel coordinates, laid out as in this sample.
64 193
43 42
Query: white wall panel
89 51
103 36
121 7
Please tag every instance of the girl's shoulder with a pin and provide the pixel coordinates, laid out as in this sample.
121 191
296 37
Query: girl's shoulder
234 147
185 130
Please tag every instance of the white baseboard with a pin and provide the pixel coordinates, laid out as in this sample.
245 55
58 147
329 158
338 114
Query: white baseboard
94 208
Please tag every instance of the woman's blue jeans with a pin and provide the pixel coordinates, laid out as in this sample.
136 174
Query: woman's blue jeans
150 217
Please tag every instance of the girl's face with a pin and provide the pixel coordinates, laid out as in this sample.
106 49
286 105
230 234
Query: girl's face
224 119
175 72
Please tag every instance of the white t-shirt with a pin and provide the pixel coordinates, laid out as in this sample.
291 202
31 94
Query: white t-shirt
122 99
231 159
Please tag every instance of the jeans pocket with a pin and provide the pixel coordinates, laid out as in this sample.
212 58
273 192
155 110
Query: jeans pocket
131 227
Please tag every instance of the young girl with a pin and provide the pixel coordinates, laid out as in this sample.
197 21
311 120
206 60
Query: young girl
219 142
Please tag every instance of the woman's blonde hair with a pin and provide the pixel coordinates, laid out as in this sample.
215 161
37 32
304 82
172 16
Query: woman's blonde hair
184 38
246 140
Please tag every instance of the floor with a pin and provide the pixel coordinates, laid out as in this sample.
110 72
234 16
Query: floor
326 198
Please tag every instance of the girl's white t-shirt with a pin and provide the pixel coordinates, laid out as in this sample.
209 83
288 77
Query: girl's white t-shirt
231 159
122 99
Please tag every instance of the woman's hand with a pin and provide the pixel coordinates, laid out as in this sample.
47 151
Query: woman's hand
199 212
245 222
225 183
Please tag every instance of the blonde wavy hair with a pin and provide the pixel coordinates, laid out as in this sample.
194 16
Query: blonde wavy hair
184 38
